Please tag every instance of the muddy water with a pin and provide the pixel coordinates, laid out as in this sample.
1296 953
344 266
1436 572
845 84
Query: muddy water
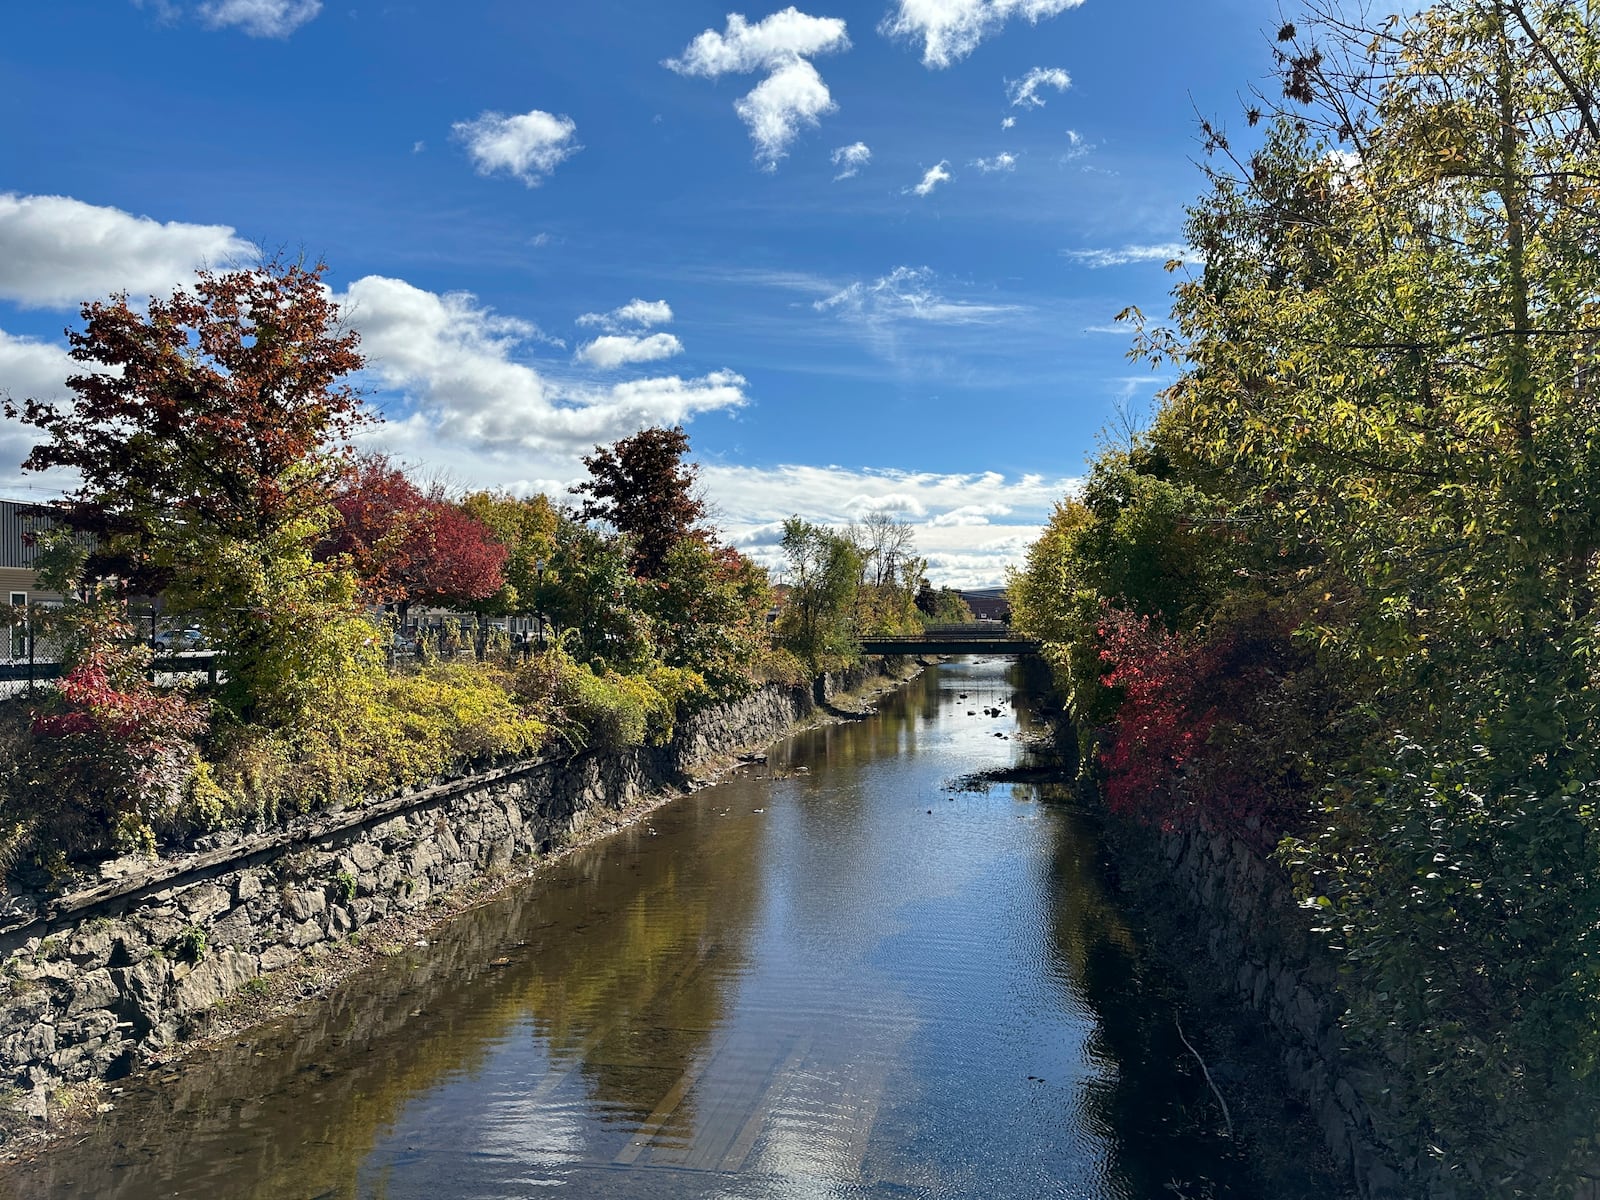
836 975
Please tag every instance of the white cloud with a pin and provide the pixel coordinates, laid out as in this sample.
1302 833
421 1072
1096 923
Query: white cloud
970 526
932 178
56 252
30 370
1024 92
780 38
614 350
260 18
1164 252
951 29
529 146
971 514
635 314
1008 123
1003 161
908 293
793 95
850 159
463 394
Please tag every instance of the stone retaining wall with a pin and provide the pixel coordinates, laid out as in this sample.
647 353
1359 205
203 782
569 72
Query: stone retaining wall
1245 912
95 982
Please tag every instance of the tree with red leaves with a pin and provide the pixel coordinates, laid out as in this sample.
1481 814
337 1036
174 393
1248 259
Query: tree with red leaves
408 546
210 431
642 487
220 409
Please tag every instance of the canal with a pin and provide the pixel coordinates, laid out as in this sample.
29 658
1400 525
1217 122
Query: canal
851 971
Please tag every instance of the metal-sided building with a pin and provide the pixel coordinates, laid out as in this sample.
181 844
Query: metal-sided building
19 582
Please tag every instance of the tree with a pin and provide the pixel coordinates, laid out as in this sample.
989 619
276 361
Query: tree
708 613
409 547
822 569
210 439
221 408
643 489
527 529
1388 368
595 601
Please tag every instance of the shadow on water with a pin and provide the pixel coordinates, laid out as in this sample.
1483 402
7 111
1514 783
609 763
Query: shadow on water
839 974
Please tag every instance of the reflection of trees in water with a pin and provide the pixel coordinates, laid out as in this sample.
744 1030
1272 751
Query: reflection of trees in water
640 986
296 1109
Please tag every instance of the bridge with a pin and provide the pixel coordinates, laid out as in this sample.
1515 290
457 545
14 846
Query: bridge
977 637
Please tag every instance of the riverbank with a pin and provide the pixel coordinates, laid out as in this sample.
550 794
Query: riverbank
154 963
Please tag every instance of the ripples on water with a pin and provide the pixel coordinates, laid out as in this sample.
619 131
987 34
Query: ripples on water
833 976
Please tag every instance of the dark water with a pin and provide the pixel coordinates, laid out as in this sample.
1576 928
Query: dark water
835 976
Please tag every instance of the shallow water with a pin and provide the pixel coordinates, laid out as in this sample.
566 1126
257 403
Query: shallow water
836 975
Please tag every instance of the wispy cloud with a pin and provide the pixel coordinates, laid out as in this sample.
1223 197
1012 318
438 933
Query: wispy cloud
1008 123
1003 161
529 146
932 178
908 294
1024 92
1164 252
850 159
793 95
636 313
950 30
260 18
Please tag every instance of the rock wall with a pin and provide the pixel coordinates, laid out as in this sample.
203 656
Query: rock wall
96 981
1244 911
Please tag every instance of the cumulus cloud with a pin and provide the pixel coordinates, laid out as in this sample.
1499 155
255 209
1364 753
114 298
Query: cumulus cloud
1024 92
56 252
1003 161
635 314
850 159
30 370
462 390
1165 252
529 146
950 30
932 178
615 350
970 526
793 96
260 18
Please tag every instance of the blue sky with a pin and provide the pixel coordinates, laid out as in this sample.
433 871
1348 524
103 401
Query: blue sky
868 253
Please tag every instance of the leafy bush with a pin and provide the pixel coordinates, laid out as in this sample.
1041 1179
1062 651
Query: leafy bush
110 755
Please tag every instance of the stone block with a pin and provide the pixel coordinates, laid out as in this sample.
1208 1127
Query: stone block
212 979
275 958
91 945
202 903
92 990
307 903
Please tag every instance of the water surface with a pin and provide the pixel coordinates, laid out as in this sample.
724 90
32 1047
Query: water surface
839 974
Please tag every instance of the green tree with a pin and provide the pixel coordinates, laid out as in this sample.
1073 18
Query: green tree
822 570
1387 367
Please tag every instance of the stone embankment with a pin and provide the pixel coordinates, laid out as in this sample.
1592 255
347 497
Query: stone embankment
1243 910
99 981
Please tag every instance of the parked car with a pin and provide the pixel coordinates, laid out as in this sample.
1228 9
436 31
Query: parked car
175 640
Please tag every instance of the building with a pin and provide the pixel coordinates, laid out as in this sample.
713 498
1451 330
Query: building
988 604
19 582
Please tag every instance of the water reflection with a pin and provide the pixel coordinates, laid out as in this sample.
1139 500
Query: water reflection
833 976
